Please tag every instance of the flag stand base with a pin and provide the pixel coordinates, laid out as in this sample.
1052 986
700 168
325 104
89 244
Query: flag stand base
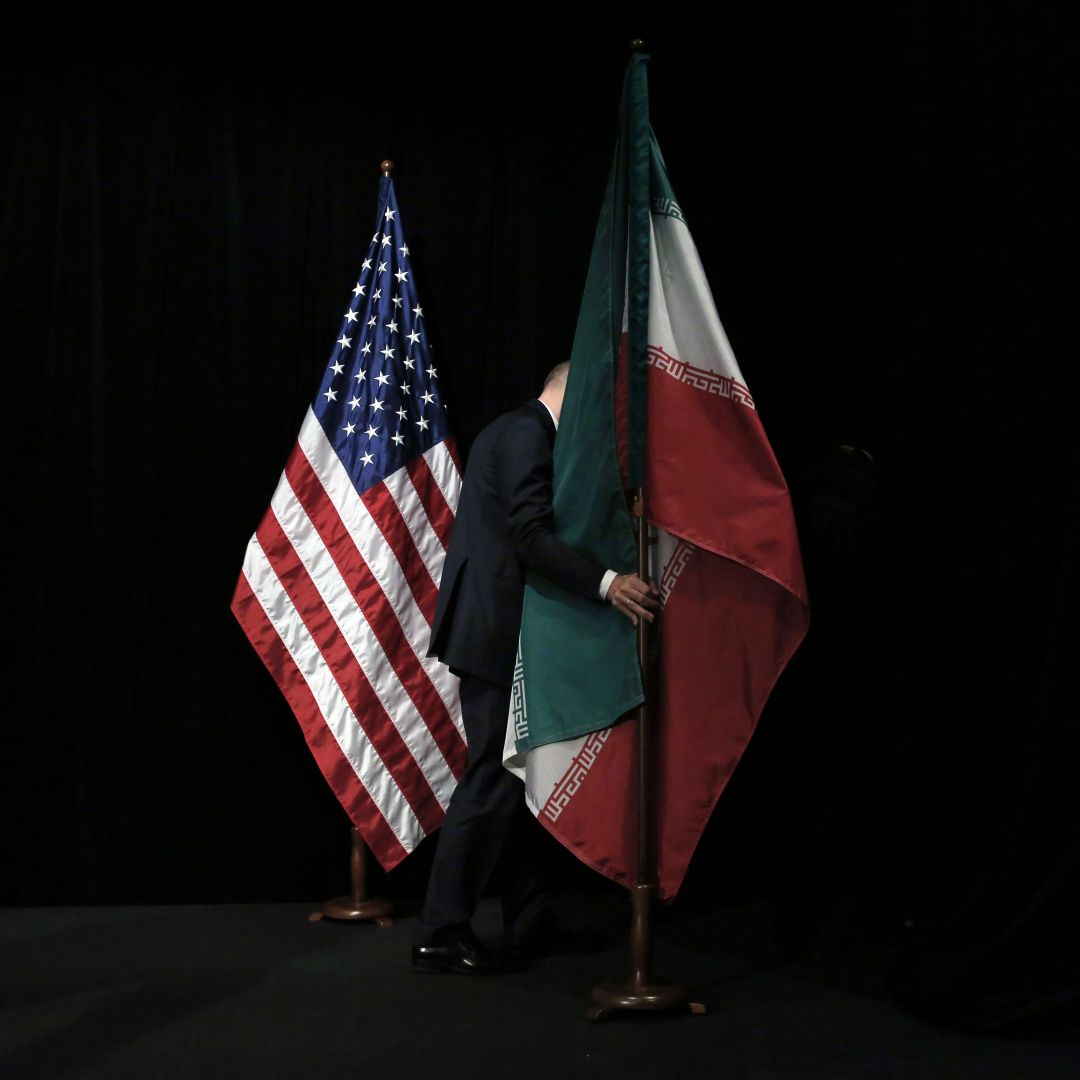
641 993
358 906
610 997
347 909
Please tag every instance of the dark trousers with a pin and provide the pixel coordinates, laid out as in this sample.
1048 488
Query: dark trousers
487 825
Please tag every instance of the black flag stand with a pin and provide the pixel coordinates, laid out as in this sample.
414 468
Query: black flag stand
642 991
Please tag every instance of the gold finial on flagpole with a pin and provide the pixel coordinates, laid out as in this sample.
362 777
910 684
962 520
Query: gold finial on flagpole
387 166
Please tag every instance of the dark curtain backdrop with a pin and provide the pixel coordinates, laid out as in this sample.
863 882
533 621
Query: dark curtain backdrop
885 213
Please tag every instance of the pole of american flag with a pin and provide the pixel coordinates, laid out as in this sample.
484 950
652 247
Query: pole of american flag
358 906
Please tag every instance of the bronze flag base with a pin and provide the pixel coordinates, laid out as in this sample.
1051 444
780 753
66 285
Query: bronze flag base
641 992
350 909
358 907
610 997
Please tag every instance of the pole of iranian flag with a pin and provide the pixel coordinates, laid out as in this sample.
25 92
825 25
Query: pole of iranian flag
632 799
642 991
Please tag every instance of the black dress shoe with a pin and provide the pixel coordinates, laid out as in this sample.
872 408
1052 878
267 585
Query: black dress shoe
460 952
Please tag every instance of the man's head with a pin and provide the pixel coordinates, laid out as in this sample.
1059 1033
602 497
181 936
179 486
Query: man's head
555 387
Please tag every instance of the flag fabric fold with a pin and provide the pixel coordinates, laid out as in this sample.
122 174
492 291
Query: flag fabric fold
656 398
339 581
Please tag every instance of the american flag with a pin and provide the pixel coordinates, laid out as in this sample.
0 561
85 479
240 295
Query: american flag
339 582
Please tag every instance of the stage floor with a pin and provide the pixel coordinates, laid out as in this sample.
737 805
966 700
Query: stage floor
260 991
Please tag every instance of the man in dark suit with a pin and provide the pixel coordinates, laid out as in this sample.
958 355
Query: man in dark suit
504 527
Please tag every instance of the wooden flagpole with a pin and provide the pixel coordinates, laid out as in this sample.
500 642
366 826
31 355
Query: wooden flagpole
642 991
357 906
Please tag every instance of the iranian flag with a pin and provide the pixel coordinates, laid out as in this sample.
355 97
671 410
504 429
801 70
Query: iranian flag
655 399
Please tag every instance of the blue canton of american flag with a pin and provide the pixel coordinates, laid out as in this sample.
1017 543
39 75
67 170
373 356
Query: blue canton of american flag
379 403
339 583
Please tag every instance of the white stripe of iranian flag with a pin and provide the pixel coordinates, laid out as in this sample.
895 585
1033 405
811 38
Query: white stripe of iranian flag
682 314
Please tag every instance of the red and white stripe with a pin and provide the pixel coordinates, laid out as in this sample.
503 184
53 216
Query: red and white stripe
337 594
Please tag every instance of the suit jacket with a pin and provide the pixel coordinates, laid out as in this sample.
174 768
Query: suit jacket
504 526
